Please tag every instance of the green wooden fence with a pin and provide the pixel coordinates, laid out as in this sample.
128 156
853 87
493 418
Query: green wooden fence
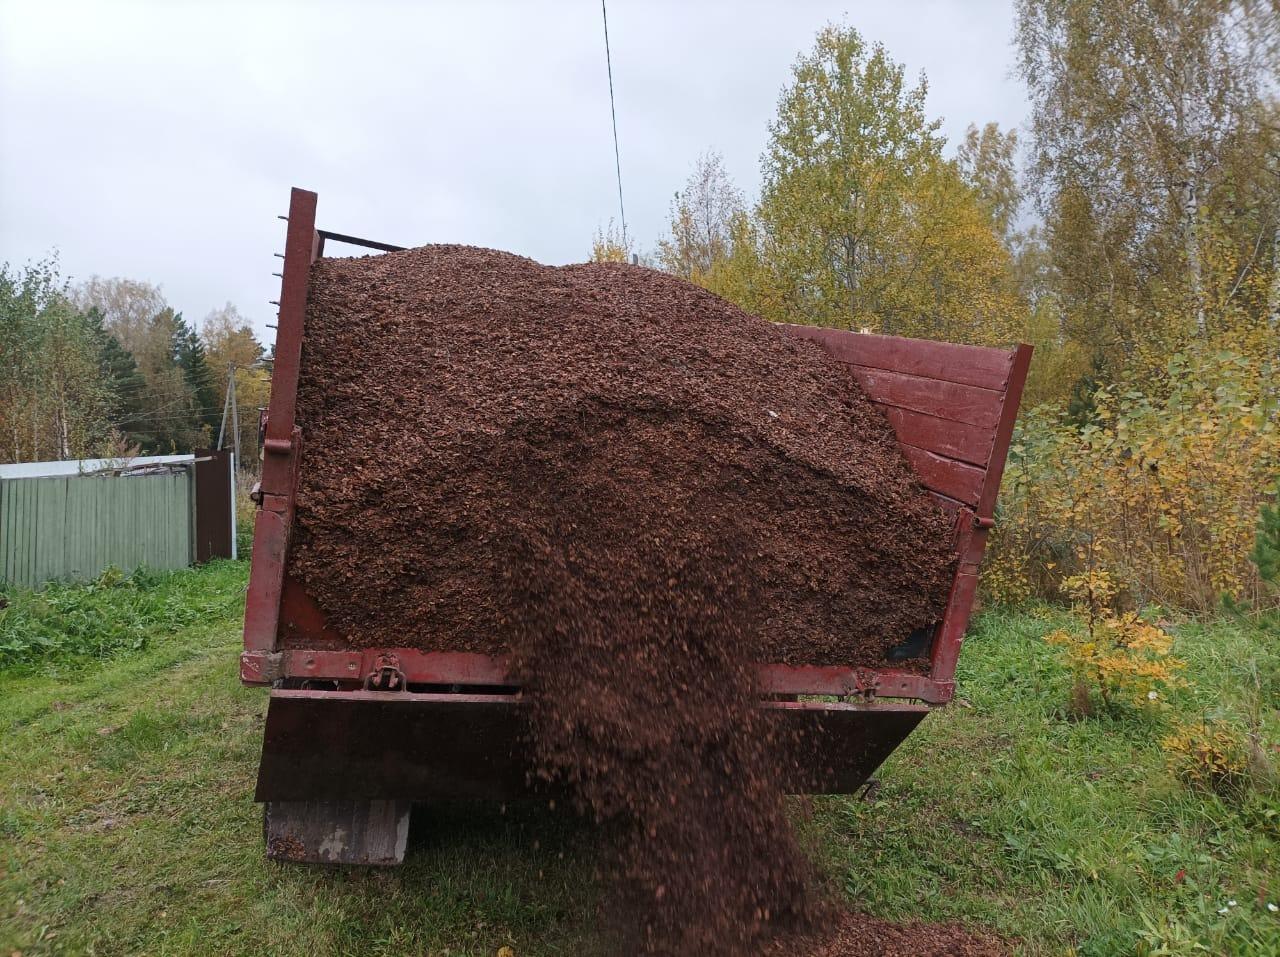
73 527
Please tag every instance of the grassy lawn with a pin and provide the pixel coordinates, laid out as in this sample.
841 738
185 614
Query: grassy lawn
126 823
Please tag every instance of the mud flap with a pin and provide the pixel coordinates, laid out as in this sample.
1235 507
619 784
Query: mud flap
364 746
368 833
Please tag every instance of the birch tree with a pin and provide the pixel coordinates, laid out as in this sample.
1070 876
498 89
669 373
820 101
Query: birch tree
1139 113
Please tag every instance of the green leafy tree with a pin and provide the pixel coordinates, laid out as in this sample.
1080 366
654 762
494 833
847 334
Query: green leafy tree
231 345
611 245
189 356
53 402
864 222
128 309
124 383
988 161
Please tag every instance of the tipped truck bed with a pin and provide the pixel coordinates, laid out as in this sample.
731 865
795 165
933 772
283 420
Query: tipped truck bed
354 736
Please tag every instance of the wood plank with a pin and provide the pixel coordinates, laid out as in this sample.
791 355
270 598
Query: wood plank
953 440
953 479
945 400
980 366
366 833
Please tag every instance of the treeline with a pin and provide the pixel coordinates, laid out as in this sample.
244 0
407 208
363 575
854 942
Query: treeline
1134 240
108 368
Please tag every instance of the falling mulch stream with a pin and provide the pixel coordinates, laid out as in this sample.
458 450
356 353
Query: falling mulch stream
635 491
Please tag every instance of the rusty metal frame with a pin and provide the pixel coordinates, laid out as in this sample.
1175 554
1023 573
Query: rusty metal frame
281 447
971 537
326 234
265 662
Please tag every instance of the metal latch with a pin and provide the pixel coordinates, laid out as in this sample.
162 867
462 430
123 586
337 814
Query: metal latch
385 675
866 683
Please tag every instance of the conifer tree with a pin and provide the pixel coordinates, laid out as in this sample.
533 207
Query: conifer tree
1266 549
189 354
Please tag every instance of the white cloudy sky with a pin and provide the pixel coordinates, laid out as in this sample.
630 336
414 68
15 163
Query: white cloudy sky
157 140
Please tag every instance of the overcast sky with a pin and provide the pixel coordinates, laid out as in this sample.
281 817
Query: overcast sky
158 140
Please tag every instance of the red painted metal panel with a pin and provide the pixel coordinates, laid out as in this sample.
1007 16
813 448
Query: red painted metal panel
980 366
953 440
955 622
473 670
302 623
971 543
953 479
299 252
843 682
945 400
945 652
262 601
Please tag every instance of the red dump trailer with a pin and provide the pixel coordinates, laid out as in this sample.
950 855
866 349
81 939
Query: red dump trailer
354 737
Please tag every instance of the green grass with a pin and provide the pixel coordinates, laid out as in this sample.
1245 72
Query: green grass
127 825
63 626
1070 834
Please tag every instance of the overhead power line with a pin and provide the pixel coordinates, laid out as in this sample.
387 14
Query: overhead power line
613 112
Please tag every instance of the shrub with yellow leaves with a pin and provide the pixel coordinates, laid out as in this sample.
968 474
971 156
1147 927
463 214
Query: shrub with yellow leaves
1162 487
1122 657
1212 755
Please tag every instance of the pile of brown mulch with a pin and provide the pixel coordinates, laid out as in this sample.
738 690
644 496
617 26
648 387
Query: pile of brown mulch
438 382
636 491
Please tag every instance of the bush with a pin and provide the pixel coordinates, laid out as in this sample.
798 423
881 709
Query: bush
115 614
1266 545
1212 755
1162 487
246 511
1119 655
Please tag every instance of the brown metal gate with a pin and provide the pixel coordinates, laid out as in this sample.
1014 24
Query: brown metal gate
214 529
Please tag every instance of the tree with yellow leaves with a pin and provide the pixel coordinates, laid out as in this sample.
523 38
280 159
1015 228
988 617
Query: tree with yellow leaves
232 349
610 246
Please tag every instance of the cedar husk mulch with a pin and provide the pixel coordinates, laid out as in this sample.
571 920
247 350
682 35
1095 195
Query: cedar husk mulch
635 491
450 395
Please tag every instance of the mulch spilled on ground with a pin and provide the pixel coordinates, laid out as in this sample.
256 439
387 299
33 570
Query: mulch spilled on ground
636 491
857 935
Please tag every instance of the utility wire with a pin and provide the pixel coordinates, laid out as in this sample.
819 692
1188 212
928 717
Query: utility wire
617 158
